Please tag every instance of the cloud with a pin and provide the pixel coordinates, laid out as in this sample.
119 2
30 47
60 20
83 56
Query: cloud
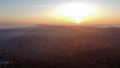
28 6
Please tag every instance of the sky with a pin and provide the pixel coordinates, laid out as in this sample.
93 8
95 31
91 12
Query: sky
38 11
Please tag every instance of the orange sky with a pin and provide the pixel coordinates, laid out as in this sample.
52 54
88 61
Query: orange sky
45 14
64 21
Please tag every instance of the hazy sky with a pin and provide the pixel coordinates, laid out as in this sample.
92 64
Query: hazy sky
36 10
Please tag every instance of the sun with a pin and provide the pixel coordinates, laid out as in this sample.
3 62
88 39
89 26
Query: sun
78 21
76 11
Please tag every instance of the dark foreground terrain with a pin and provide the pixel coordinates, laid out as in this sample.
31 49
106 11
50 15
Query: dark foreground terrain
60 47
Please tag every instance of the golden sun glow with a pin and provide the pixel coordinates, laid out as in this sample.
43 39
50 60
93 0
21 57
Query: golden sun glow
76 11
78 21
